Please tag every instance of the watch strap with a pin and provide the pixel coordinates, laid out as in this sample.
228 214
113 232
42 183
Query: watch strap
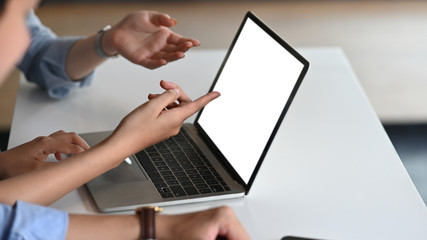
98 47
147 217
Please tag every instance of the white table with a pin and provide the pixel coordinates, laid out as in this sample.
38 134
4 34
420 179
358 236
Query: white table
340 177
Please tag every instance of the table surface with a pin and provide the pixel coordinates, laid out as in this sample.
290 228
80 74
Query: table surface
331 172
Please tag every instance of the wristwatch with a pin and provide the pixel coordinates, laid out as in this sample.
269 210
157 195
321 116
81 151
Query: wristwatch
98 47
147 215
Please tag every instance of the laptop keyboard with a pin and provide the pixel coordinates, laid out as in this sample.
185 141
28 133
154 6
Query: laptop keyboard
178 168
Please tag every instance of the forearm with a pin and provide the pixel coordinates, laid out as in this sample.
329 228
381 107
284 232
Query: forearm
48 184
124 227
82 59
208 224
103 227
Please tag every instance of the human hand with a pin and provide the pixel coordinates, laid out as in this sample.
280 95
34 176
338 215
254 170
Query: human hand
32 155
157 119
205 225
144 38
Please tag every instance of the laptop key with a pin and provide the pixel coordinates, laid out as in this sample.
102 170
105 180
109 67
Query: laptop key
178 191
156 159
201 186
176 169
204 191
194 176
212 182
180 174
172 182
186 184
163 190
154 175
166 195
159 164
166 173
205 173
188 167
217 188
197 181
145 162
191 190
169 177
183 179
191 171
209 177
162 168
160 185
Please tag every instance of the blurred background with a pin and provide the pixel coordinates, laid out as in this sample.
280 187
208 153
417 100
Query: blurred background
385 42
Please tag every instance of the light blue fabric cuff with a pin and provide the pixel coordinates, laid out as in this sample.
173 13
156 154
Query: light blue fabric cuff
51 74
37 222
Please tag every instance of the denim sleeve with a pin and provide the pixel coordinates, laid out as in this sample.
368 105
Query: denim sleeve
28 221
44 61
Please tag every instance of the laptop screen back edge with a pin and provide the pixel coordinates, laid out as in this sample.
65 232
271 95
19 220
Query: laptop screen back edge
258 80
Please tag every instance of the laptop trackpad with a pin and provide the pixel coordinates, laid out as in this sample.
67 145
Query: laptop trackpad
125 185
127 171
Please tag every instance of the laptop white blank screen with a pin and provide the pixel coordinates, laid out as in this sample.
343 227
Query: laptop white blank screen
255 84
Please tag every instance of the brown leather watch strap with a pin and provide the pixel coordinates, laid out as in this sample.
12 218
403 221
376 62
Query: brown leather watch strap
147 217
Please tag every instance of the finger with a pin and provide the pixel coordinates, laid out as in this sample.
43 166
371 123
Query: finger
161 19
76 139
152 63
168 56
180 47
160 102
56 145
176 39
152 96
183 97
57 133
59 146
67 143
194 106
72 138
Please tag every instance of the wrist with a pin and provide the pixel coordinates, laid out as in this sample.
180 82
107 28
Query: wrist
102 45
165 228
106 44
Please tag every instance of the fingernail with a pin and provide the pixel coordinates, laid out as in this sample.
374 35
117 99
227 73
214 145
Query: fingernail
217 96
175 22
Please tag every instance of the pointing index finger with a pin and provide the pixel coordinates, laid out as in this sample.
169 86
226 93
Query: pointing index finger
196 105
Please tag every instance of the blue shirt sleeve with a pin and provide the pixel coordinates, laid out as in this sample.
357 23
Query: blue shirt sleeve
44 61
28 221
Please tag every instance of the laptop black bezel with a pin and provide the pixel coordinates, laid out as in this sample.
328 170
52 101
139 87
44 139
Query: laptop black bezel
205 137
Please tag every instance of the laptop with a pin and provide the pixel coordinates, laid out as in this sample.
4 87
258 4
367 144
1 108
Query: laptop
218 156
